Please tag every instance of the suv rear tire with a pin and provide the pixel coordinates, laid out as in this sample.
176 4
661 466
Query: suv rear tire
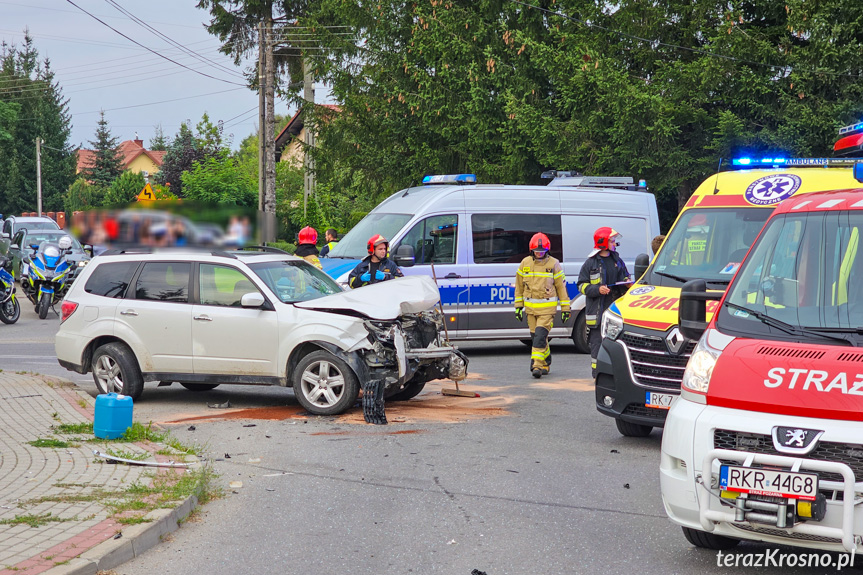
632 429
115 370
579 334
709 540
325 384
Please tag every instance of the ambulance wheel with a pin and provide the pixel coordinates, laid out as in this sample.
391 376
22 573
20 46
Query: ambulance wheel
579 334
632 429
709 540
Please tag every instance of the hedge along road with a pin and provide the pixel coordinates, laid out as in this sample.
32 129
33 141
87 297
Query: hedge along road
528 478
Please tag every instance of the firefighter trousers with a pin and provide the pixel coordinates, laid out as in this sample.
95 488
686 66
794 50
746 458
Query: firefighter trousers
540 353
594 340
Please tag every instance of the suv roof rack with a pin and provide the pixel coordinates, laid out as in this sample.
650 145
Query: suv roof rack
130 250
268 249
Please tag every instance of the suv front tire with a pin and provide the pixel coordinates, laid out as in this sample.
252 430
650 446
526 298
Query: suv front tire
324 384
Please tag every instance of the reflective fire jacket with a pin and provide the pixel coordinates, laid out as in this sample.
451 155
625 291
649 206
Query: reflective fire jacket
592 276
540 286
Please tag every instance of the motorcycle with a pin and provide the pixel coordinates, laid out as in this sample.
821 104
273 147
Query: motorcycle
10 309
44 276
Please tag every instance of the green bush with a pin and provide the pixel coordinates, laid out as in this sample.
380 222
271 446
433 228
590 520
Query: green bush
124 189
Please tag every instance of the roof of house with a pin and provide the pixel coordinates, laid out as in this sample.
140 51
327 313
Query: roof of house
129 150
295 126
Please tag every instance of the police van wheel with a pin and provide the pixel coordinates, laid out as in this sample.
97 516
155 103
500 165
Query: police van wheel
579 334
632 429
709 540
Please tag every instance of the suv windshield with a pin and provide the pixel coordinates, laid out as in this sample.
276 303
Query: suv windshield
353 245
294 281
807 272
706 243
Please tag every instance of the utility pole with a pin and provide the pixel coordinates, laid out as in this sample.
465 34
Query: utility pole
270 135
39 176
309 140
262 110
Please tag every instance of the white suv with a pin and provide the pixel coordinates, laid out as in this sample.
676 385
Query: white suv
254 318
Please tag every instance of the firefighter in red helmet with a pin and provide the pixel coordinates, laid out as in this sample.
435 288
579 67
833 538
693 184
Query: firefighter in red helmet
307 248
603 278
376 267
540 286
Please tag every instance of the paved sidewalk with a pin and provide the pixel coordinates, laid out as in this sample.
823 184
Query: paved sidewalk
52 516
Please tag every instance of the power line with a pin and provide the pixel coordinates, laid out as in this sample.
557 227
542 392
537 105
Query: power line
160 102
149 49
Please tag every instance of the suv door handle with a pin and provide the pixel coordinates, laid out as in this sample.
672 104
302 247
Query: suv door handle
451 276
128 312
203 318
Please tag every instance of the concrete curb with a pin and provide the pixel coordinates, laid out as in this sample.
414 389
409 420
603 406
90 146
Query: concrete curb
135 540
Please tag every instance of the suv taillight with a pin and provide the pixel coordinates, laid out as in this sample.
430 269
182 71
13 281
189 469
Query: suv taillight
67 309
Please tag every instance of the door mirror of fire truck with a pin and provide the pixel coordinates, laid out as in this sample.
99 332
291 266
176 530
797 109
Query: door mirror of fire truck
405 256
692 314
642 262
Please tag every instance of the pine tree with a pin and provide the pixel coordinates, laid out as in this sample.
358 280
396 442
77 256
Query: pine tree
158 143
107 163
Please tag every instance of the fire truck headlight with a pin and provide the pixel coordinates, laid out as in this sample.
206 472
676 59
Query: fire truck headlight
700 367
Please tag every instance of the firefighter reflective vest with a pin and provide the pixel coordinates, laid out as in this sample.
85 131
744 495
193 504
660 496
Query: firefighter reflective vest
540 286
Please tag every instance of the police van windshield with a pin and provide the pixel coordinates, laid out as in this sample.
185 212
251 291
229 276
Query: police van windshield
353 245
709 244
803 280
294 281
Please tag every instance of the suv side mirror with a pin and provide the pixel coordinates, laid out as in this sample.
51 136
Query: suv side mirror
692 313
252 299
405 256
642 262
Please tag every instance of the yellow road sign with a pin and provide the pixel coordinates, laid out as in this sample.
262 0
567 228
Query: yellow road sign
147 194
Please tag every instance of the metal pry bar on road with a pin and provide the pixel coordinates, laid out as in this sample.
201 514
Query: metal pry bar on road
98 453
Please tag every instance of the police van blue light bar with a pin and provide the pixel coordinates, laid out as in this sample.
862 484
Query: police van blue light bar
449 179
745 161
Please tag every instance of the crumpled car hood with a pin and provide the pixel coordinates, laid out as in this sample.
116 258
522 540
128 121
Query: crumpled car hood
383 301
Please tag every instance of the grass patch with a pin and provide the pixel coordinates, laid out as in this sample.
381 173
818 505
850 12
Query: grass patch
83 403
52 443
95 495
133 455
75 428
140 432
34 520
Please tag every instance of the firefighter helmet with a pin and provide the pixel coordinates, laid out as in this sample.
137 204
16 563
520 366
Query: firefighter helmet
605 238
308 235
539 243
375 241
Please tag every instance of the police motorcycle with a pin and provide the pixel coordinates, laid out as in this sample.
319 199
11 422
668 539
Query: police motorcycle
45 273
10 309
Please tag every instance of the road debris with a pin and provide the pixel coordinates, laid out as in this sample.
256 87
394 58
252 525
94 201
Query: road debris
226 405
235 484
115 459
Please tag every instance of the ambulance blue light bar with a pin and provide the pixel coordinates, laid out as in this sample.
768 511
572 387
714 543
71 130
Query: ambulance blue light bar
446 179
751 162
853 128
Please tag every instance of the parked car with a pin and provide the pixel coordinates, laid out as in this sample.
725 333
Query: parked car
253 317
27 242
13 224
474 236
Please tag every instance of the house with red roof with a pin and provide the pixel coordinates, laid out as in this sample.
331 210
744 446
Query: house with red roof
289 142
135 157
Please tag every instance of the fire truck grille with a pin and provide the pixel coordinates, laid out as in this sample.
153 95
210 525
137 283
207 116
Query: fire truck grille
851 454
652 364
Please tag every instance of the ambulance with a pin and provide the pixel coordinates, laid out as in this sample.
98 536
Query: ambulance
765 442
643 355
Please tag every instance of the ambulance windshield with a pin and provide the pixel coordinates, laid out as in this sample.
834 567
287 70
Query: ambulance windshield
806 272
708 244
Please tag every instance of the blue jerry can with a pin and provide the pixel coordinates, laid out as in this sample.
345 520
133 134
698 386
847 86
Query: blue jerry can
113 415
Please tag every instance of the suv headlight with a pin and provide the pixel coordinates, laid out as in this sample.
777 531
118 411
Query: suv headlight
700 367
611 325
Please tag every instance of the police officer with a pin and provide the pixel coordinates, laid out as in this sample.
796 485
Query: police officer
602 269
307 246
332 237
375 267
540 286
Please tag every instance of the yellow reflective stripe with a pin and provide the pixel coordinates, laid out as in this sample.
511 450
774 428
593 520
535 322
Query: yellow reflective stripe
583 289
595 281
537 355
536 274
540 305
521 273
559 275
519 299
564 302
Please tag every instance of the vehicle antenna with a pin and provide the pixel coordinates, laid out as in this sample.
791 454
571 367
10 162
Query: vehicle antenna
716 182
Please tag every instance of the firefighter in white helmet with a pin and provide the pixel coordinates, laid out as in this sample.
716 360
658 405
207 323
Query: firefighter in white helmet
540 286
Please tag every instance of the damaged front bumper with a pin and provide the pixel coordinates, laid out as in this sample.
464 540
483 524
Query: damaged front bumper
411 350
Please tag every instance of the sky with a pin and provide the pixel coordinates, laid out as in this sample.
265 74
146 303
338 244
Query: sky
98 69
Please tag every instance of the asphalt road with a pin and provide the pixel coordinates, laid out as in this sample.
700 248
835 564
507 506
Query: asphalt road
526 479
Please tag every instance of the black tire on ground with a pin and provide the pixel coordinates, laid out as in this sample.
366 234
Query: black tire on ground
324 384
115 369
709 540
44 305
199 386
410 391
632 429
10 311
579 334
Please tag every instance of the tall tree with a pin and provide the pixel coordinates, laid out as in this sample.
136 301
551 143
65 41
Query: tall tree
107 162
187 148
28 86
158 143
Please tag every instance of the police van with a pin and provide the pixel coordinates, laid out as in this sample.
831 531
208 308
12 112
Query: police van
643 355
474 236
765 441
